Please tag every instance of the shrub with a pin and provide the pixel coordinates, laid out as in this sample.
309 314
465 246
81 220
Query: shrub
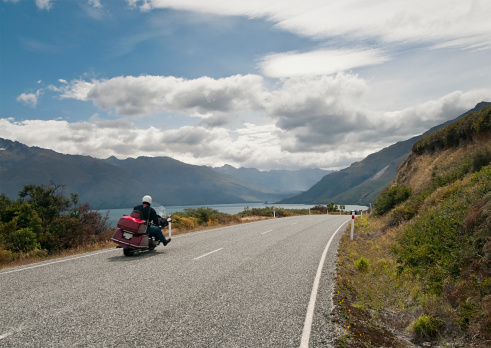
452 174
185 223
42 221
193 217
426 326
362 264
390 197
481 158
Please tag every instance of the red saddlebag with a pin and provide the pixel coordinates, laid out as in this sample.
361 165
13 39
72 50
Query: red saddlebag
127 239
131 224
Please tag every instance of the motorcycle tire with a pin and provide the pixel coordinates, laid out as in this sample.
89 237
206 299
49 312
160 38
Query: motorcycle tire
128 252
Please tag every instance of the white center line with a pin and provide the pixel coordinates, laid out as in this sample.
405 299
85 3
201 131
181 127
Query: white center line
211 252
267 232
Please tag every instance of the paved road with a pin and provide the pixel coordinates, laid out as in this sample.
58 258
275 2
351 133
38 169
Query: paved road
247 285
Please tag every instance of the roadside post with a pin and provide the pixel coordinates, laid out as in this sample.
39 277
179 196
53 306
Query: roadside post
169 220
352 223
274 213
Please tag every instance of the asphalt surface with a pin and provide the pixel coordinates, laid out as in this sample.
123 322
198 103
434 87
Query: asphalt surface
246 285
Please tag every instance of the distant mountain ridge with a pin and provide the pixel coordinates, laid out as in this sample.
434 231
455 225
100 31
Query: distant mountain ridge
292 181
114 183
362 181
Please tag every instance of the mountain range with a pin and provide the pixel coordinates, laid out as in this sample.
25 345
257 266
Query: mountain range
115 183
293 181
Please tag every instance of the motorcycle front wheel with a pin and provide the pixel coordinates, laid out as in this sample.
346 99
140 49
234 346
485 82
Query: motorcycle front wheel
128 252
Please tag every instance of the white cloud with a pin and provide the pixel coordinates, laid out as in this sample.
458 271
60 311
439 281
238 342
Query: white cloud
318 112
319 62
30 99
252 146
464 23
44 4
76 89
419 118
95 3
144 95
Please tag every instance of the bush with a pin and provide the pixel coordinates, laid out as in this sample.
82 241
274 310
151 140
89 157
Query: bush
184 223
390 197
41 222
426 326
481 158
362 264
193 218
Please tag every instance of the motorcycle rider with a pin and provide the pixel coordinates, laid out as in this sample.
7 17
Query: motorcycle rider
149 214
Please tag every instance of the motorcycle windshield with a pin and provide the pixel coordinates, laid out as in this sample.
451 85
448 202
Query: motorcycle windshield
160 209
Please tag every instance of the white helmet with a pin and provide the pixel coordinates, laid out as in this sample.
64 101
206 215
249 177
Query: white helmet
147 199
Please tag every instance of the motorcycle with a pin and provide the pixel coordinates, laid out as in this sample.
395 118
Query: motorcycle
131 234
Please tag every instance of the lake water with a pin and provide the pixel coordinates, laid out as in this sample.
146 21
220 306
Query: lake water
115 214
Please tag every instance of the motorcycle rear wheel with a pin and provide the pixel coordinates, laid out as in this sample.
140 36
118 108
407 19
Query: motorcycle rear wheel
128 252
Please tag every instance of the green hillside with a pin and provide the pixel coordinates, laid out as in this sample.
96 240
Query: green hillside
419 269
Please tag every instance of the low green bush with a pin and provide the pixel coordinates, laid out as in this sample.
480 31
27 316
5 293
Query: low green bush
426 326
390 197
362 264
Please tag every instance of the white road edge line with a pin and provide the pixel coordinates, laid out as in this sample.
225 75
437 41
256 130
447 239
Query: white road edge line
51 263
211 252
307 326
267 232
5 335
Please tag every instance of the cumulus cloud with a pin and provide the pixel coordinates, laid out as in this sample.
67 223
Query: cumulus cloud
318 112
144 95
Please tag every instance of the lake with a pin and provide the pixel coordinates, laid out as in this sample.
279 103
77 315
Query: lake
115 214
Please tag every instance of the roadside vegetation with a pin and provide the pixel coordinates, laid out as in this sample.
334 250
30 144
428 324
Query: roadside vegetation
42 222
419 269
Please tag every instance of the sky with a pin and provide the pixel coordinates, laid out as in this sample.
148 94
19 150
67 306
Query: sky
267 84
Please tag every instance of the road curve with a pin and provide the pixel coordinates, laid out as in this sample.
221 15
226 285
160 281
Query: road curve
246 285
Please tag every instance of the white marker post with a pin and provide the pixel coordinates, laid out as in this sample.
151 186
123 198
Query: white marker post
169 220
352 223
274 214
